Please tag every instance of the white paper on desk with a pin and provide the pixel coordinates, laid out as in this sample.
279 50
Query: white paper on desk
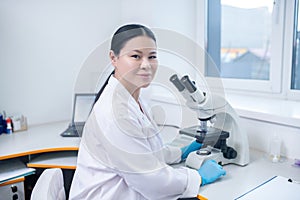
277 187
13 169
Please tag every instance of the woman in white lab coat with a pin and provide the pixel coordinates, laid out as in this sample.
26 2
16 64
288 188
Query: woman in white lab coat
121 155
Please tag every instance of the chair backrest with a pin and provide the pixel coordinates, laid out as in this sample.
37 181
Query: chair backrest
50 186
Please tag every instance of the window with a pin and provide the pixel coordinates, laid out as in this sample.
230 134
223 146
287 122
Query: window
295 76
250 42
244 30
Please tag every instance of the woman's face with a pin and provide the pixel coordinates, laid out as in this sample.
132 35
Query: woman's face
136 64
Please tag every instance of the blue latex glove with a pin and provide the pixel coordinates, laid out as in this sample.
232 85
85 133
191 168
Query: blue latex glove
210 171
185 151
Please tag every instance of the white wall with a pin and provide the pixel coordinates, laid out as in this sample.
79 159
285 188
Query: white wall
176 15
261 132
44 44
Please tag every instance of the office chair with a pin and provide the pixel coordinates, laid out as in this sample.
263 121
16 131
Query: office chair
50 186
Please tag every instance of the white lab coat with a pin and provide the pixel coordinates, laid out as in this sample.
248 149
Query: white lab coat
121 155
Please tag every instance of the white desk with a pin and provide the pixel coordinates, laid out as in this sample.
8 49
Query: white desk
43 141
240 180
37 139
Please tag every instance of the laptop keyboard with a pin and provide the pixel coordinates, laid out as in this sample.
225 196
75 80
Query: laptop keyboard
73 131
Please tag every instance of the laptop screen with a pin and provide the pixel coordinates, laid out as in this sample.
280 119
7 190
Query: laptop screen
83 104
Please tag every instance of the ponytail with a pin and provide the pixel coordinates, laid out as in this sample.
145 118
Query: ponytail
104 85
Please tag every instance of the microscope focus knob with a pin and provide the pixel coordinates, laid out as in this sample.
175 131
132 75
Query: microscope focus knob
230 153
14 188
15 197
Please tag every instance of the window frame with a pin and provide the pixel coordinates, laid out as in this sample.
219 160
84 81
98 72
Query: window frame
290 32
279 83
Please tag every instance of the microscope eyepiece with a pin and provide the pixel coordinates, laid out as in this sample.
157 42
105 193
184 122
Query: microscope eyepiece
188 89
175 80
189 85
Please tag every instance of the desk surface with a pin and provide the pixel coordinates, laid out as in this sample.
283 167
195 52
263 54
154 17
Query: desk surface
239 180
37 139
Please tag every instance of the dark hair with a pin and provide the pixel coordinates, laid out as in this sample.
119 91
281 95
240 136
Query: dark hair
120 38
126 33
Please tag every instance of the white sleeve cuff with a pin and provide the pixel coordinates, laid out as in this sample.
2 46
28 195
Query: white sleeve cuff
172 154
193 183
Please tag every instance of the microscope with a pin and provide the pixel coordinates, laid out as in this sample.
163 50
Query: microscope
221 134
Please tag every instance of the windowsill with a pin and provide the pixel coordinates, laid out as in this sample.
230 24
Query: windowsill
278 111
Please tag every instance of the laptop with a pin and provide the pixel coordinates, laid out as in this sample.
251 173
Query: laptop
82 106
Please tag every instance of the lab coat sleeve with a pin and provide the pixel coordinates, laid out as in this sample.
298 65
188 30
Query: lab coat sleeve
172 154
167 183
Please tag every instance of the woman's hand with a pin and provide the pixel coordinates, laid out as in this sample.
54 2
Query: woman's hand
185 151
210 171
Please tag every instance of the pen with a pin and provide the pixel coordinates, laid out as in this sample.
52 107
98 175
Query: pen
200 197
